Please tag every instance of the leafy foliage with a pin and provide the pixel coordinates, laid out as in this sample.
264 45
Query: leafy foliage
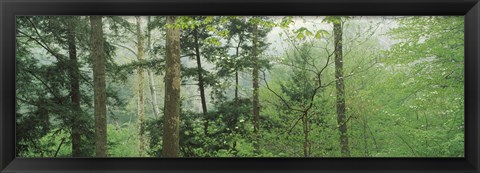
404 86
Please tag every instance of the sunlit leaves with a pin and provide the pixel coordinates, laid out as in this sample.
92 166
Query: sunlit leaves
335 19
262 21
212 40
300 36
286 21
321 33
303 32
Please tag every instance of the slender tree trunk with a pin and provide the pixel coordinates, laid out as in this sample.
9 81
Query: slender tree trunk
365 137
151 81
100 107
306 142
74 90
153 94
341 117
236 86
141 86
305 118
236 70
236 99
256 106
172 91
201 82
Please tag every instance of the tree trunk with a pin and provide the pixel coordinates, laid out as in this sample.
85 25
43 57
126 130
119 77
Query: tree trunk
151 81
74 90
153 94
306 142
201 82
236 86
141 86
100 108
340 87
365 137
256 106
172 91
236 69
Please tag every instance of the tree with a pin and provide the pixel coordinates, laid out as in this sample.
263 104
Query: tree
100 106
239 34
256 104
200 43
172 90
428 82
75 88
201 81
301 92
151 81
340 86
60 79
141 83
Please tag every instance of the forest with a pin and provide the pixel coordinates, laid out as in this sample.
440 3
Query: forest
239 86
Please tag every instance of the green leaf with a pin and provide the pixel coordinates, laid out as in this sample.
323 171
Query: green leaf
286 21
300 36
308 33
302 29
208 19
320 34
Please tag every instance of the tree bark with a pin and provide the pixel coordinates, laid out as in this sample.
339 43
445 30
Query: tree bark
306 142
256 106
201 82
100 108
141 86
153 94
365 137
236 69
172 91
340 88
151 81
236 86
74 89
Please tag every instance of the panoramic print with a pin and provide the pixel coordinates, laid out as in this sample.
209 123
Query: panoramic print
240 86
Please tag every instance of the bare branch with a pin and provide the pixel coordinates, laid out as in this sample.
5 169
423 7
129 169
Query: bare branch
44 84
278 96
126 47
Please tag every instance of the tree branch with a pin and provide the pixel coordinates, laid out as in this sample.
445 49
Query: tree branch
280 97
59 146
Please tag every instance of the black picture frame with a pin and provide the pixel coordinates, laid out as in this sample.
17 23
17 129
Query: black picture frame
10 8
